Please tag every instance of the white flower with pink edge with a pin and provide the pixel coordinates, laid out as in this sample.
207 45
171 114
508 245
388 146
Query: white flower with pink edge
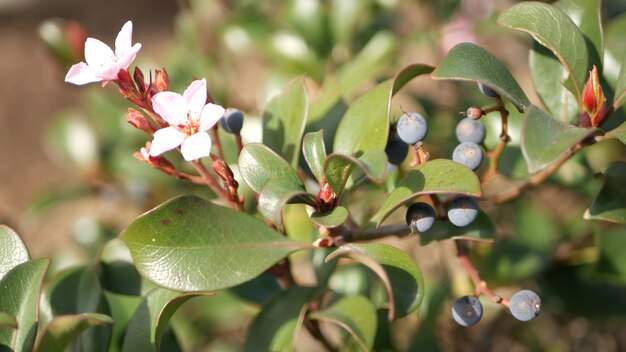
189 117
102 63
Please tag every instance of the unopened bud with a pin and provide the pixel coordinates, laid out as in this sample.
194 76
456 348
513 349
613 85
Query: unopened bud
327 197
325 242
157 162
594 109
139 121
161 81
139 80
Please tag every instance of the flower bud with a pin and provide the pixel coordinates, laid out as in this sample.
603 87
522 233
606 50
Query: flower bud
327 197
139 79
157 162
139 121
161 81
594 109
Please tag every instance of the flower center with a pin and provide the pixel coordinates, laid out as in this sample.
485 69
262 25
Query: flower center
191 127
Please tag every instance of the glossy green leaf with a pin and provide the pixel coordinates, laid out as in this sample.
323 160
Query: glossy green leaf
276 326
618 133
117 271
284 119
12 250
279 192
586 14
553 29
189 244
610 203
122 308
435 176
258 164
547 71
357 315
148 324
402 278
19 298
7 320
338 168
332 219
481 230
62 330
315 153
545 139
77 290
467 61
365 126
620 88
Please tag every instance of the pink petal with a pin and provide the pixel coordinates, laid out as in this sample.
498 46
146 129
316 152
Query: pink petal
98 54
166 139
171 107
80 74
127 55
210 115
124 37
195 95
196 146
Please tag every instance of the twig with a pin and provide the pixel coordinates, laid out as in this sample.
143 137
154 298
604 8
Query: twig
212 183
481 286
494 155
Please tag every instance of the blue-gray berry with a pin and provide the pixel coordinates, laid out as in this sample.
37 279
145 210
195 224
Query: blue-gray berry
488 91
469 130
420 217
232 121
525 305
463 211
467 311
412 127
396 150
468 154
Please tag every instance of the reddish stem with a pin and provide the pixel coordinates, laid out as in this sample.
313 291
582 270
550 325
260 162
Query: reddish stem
481 286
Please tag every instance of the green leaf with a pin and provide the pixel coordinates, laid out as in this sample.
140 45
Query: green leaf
258 164
12 250
315 153
148 325
333 219
435 176
546 71
117 271
620 88
611 244
19 298
7 320
395 268
618 133
357 315
365 126
553 29
284 119
467 61
338 168
189 244
586 15
62 330
481 230
122 309
546 139
279 192
610 203
276 326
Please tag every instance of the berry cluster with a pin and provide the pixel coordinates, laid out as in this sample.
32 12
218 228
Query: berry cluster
525 305
462 211
411 129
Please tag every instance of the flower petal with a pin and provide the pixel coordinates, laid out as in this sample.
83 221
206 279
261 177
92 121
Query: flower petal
171 107
196 146
80 74
127 55
195 95
210 115
124 37
166 139
98 54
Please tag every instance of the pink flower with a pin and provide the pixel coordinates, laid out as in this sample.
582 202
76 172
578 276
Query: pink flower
102 63
189 118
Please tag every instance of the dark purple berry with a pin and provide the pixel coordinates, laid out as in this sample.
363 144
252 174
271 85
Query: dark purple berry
488 91
463 211
525 305
396 150
467 311
469 130
420 217
468 154
232 121
412 127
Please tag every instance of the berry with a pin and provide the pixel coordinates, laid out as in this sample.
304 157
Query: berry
525 305
232 121
468 130
463 211
474 112
467 311
468 154
420 217
412 127
488 91
396 150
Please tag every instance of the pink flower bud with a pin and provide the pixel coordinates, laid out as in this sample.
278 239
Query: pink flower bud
139 121
594 109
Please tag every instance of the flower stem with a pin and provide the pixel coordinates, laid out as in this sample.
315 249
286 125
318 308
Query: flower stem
210 181
481 286
494 155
